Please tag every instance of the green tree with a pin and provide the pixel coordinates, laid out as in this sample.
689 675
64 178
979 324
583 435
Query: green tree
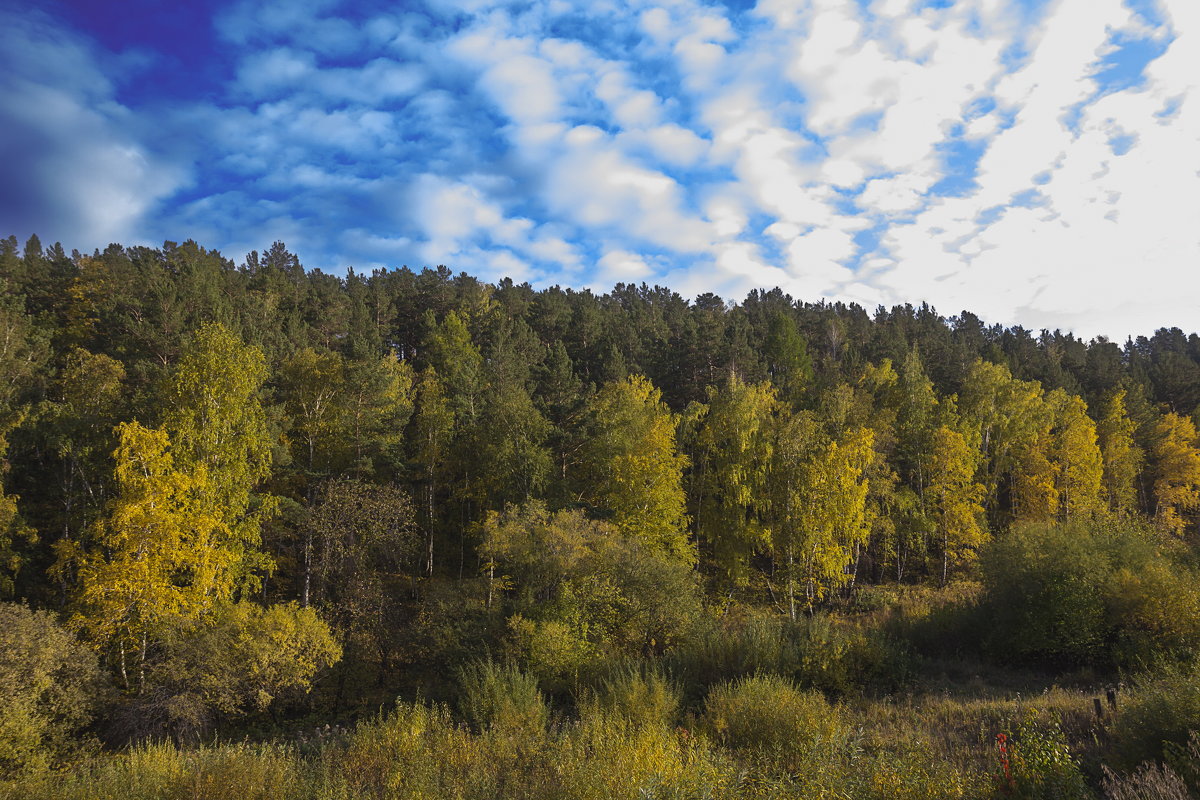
311 385
433 431
734 451
785 352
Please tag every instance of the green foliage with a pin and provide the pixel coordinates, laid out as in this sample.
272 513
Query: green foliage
1087 593
1161 712
734 447
49 687
1043 767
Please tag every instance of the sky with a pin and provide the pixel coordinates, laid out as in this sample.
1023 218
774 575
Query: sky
1035 163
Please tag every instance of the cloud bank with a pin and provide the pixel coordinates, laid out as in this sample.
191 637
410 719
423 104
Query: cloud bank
1035 163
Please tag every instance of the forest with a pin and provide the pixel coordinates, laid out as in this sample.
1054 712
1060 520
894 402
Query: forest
271 532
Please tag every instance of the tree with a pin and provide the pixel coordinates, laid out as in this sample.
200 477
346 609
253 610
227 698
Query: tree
362 546
915 421
91 399
1004 415
1121 456
238 658
311 385
377 403
219 438
819 513
1176 466
1035 494
632 473
734 451
786 354
578 588
1077 457
433 429
153 556
954 498
23 349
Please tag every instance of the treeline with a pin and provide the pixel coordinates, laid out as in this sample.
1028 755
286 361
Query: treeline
228 477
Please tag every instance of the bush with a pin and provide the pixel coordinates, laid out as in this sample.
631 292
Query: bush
638 692
49 686
1100 593
768 718
1162 711
163 772
816 652
501 697
238 660
1042 765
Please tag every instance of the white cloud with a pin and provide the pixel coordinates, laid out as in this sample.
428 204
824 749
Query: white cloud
74 168
688 142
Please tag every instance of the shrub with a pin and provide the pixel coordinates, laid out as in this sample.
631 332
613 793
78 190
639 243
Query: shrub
1087 593
162 772
496 696
49 685
640 693
816 652
1042 765
767 717
1162 711
236 661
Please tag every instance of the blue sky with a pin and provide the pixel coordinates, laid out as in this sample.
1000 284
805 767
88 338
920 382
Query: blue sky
1037 163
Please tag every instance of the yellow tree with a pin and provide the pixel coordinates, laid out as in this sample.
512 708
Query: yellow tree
219 438
1004 415
1176 461
1121 456
954 498
1078 462
1034 481
819 505
154 554
633 473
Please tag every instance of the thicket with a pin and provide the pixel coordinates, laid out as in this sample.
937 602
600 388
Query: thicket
621 544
